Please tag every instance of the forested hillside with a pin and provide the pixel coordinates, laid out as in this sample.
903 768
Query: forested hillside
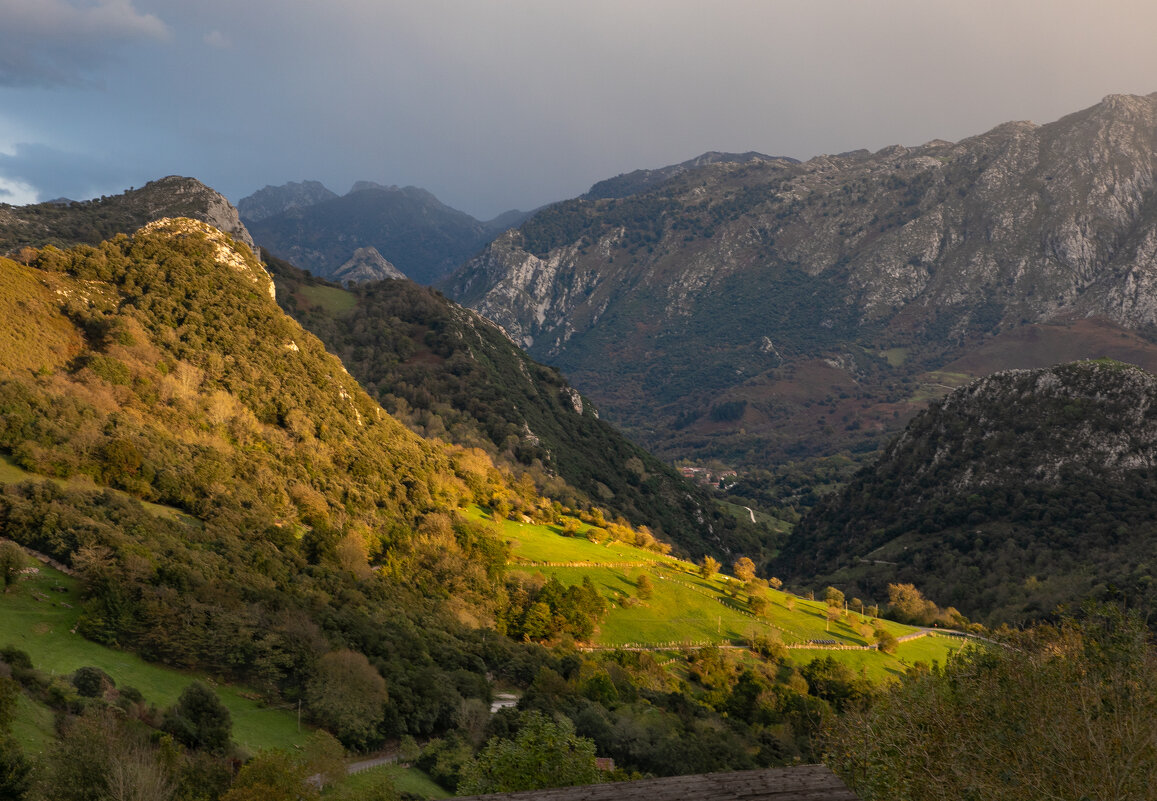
1022 491
163 368
448 373
231 500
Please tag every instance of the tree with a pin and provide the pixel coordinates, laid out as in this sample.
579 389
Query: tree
744 569
831 615
775 583
347 695
1064 711
324 758
100 758
11 561
200 720
909 605
836 683
643 586
758 603
91 682
544 753
886 641
536 624
708 567
15 770
833 597
272 776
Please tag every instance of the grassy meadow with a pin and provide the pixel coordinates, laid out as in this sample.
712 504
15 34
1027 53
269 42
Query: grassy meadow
686 609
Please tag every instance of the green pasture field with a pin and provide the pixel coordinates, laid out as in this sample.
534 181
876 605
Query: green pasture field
895 356
43 628
333 300
538 543
34 725
406 780
685 609
742 513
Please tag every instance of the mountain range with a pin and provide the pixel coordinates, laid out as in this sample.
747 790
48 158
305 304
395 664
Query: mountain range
317 230
759 310
316 488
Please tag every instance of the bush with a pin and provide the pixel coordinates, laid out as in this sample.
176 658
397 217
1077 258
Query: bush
200 720
92 682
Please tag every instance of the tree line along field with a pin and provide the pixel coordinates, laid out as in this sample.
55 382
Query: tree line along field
38 614
685 609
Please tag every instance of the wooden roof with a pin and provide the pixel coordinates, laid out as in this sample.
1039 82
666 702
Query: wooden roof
801 783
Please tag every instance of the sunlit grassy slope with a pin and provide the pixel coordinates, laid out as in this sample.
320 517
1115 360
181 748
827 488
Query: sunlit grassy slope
686 609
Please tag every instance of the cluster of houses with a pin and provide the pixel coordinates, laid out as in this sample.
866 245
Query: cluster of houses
708 477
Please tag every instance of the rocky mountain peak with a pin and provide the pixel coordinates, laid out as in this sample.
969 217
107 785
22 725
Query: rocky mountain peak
69 223
271 200
218 212
367 264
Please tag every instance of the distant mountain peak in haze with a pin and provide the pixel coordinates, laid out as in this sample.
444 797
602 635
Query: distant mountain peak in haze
408 227
265 203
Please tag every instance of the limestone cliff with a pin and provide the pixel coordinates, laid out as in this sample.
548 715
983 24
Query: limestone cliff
920 252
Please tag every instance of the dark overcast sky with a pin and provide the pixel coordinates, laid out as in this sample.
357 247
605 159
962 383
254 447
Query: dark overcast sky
497 104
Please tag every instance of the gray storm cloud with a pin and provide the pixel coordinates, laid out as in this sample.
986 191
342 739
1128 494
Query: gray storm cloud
492 105
52 42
